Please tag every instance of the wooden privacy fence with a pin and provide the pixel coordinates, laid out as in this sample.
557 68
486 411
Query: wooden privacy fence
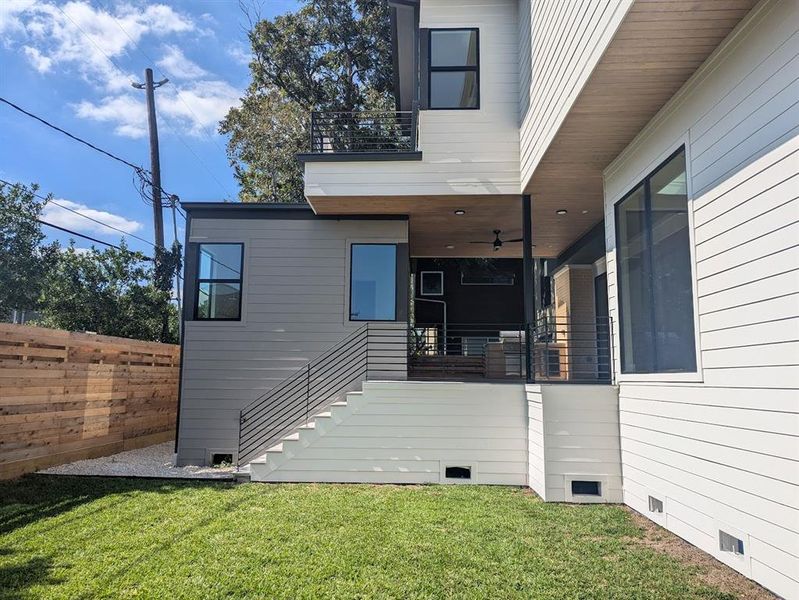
70 396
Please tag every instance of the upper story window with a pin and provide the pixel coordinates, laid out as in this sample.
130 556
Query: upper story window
373 282
654 273
453 69
218 293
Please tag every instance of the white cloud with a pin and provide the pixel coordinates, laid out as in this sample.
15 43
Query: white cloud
88 39
93 40
200 105
126 112
175 64
195 109
10 16
239 52
40 62
64 218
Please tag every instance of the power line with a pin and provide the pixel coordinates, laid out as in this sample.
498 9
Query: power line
64 229
179 96
140 172
74 137
87 237
72 210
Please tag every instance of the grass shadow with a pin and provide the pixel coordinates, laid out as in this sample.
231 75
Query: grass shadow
17 579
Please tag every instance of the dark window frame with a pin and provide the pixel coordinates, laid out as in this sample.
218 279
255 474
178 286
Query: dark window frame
201 280
645 183
349 283
451 69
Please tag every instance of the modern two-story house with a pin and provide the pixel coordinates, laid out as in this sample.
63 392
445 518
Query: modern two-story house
568 260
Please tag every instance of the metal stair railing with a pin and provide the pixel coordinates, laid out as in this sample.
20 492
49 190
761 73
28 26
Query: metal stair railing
293 402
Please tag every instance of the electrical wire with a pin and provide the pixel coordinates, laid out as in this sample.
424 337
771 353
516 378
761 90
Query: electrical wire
142 174
224 189
47 199
70 231
74 137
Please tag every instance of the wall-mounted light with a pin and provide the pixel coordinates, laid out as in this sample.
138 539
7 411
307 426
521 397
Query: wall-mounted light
460 212
561 211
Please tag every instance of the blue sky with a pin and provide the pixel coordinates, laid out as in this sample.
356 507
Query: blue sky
72 63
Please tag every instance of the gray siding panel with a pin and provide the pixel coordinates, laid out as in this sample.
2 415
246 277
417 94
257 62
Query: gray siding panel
293 309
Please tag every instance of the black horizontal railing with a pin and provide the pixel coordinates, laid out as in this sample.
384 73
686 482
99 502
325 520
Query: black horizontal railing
572 350
551 350
363 131
374 350
466 351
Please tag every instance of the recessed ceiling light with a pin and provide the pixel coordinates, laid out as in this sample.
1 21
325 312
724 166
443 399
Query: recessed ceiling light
460 212
449 247
561 211
585 212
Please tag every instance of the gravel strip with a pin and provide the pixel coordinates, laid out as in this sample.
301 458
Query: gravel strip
152 461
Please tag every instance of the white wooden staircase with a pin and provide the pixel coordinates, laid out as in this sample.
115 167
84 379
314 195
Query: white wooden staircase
407 432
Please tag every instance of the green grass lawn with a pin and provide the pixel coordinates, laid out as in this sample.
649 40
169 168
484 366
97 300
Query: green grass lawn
75 538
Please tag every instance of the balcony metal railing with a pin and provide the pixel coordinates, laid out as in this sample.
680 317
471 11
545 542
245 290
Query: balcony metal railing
361 132
559 350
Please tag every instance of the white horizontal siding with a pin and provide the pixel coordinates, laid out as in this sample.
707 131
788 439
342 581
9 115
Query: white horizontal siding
723 451
293 309
536 437
560 43
464 151
573 431
406 432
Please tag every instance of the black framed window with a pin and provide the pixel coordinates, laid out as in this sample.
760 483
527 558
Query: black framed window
453 69
654 273
219 278
373 282
432 283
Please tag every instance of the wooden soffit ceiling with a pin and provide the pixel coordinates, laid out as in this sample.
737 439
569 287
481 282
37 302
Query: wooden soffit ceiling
656 49
434 224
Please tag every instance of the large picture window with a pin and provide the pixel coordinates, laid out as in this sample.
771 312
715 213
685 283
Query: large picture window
373 282
654 273
218 293
453 69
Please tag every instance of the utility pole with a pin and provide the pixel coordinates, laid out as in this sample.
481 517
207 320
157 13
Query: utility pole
149 87
155 161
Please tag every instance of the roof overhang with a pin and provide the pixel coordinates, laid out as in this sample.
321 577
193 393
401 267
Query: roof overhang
656 49
404 33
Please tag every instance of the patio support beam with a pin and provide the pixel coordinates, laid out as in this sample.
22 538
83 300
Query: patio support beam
528 282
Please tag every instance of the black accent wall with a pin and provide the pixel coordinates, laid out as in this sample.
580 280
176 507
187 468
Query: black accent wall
468 304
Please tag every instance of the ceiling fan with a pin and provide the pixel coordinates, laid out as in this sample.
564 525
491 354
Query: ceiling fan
497 243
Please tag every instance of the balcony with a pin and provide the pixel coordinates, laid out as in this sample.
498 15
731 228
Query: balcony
363 136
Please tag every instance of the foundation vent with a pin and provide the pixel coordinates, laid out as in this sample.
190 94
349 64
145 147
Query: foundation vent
655 505
730 543
586 488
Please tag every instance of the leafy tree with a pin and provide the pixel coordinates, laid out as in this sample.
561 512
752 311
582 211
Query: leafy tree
330 55
111 292
24 259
